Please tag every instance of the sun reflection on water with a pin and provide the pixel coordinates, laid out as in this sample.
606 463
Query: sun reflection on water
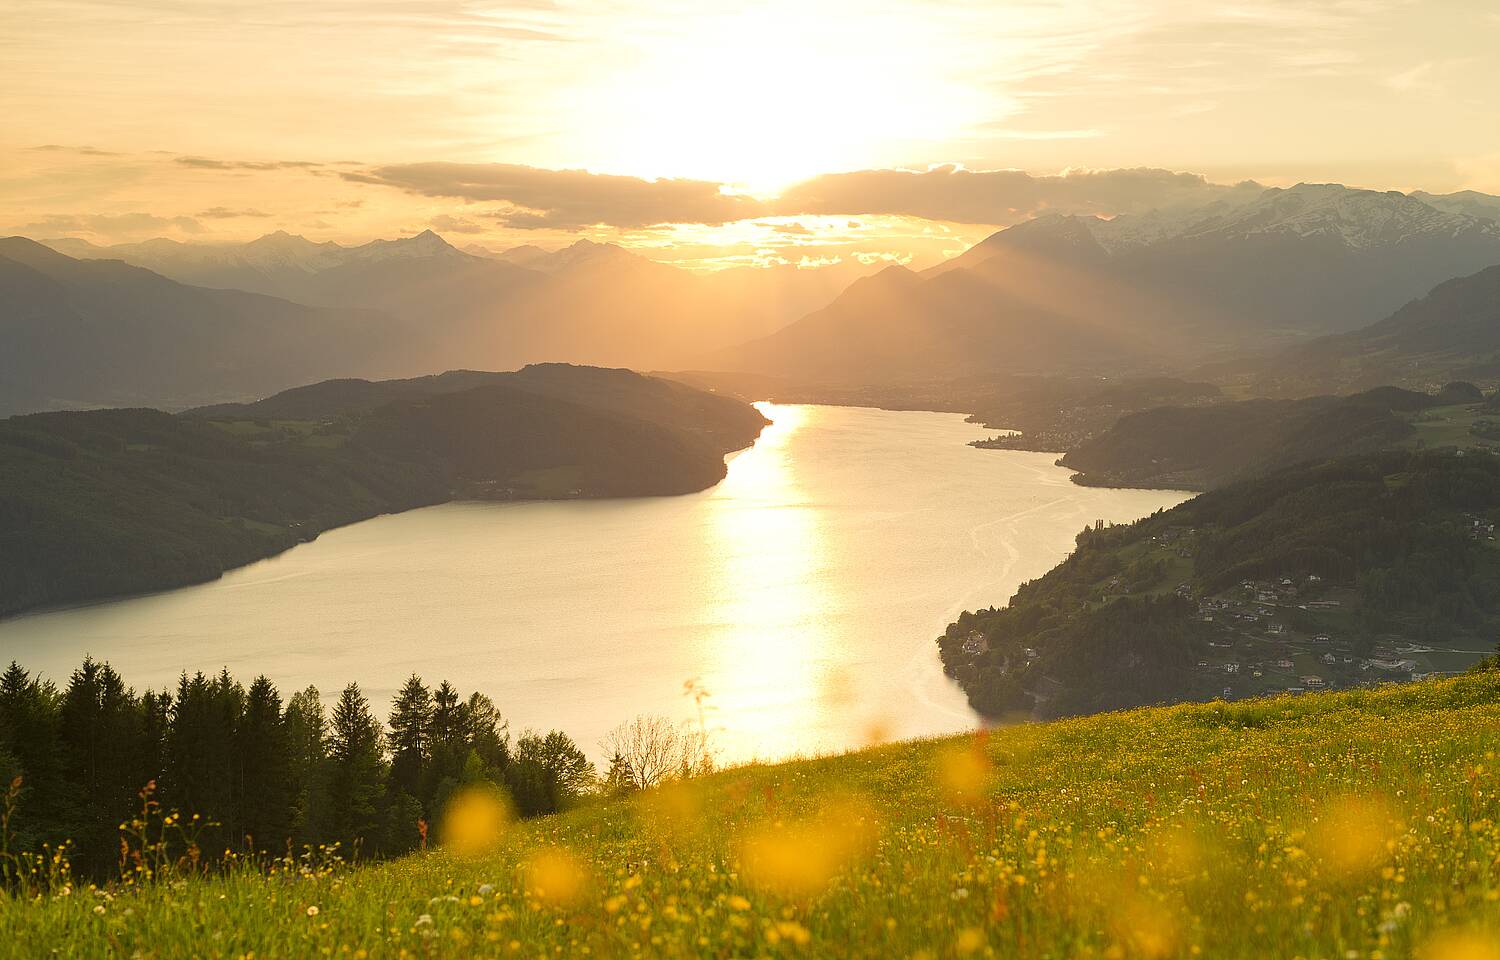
766 602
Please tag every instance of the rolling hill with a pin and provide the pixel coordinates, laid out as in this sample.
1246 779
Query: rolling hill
1325 825
1338 573
106 502
1202 447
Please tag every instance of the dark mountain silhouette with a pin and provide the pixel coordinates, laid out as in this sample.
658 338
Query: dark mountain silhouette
93 333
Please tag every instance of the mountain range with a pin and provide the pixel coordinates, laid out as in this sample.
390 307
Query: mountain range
1452 333
589 302
90 333
1142 293
1264 272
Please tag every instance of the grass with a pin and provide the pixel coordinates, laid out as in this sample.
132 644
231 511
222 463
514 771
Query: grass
1360 824
1449 427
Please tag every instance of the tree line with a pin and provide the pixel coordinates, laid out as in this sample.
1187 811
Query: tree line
259 773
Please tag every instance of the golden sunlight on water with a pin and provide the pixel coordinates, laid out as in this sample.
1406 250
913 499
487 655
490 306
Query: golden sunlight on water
765 589
795 604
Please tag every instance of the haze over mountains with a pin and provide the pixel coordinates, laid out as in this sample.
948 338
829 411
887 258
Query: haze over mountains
1250 272
1452 333
589 302
83 333
1141 292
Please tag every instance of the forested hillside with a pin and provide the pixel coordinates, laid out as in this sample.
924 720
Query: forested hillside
1341 573
1208 445
118 501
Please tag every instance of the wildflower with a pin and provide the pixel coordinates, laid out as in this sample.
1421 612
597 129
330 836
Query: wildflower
969 940
1352 834
800 859
474 821
1460 945
965 773
312 911
555 876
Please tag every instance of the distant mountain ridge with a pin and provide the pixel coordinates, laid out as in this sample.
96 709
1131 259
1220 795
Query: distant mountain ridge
588 302
1140 294
1453 332
100 333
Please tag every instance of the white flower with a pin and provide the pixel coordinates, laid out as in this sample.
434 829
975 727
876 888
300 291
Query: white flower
312 911
425 920
98 908
485 889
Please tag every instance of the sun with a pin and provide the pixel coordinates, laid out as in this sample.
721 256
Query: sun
771 95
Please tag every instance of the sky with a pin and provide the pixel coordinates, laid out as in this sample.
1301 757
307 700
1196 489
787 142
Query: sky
718 133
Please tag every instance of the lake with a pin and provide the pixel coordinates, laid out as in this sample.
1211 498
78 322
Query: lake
791 609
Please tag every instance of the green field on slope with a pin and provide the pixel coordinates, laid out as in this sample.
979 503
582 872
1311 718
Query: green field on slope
1353 825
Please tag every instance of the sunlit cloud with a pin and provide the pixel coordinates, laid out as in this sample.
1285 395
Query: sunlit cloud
566 199
124 225
224 213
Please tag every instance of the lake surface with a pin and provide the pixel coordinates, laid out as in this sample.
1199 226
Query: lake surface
802 595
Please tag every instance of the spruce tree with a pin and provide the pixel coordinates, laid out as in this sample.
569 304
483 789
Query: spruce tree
356 780
306 727
99 726
29 711
411 725
265 761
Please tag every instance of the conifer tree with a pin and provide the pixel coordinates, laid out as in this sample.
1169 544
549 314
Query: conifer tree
99 726
356 779
411 727
306 727
264 754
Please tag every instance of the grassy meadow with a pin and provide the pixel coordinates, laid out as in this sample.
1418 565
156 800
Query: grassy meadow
1362 824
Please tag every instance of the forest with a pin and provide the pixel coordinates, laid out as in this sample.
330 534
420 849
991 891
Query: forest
1207 446
217 766
1404 534
108 502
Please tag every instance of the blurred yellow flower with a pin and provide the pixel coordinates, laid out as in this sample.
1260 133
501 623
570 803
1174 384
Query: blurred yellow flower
475 820
555 876
965 773
1352 833
1460 945
800 859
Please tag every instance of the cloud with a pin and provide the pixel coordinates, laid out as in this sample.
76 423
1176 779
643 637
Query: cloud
793 229
110 225
998 197
208 163
1416 78
536 198
449 224
83 151
224 213
566 199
